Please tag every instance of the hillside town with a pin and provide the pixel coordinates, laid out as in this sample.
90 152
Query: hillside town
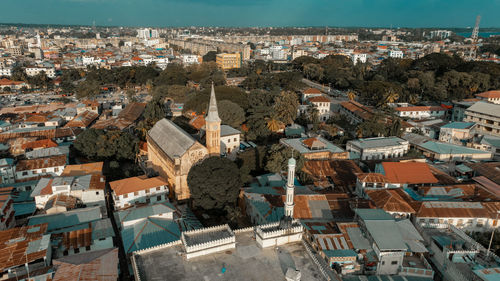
249 154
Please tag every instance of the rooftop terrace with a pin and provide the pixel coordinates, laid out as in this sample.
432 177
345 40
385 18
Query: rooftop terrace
246 262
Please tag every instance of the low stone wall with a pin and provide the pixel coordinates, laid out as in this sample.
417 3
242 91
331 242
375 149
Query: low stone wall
159 247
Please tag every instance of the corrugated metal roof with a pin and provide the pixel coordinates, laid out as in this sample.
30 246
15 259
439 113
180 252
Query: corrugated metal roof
149 233
67 219
172 139
386 234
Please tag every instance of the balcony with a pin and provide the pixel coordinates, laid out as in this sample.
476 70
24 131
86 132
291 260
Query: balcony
416 266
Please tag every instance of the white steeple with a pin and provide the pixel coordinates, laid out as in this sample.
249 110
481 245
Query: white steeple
290 188
213 113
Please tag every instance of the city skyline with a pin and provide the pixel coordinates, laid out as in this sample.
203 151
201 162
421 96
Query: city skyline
357 13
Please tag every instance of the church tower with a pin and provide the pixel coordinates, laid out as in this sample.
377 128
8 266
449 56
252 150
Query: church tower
212 126
290 186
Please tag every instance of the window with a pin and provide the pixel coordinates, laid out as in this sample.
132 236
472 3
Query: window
147 191
394 262
87 248
56 169
125 195
158 188
35 172
25 173
136 193
65 253
97 193
234 139
158 198
77 250
148 200
44 171
228 140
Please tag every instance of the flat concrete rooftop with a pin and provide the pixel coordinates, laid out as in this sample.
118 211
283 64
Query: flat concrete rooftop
246 262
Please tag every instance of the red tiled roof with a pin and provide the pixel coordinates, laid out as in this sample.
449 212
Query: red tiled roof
7 82
420 108
408 173
40 163
43 143
134 184
372 177
94 168
312 91
389 200
313 142
82 120
197 122
490 94
319 99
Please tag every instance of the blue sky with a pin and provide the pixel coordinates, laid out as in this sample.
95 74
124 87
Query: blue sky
398 13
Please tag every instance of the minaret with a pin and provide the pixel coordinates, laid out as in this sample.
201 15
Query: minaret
290 189
212 126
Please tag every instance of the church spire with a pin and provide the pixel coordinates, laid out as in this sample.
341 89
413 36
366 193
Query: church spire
213 112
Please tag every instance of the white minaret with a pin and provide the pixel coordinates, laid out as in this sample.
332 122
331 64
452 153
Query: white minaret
290 188
38 40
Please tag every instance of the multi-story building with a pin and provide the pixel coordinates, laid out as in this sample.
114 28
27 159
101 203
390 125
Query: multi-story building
358 57
420 112
397 54
459 107
321 103
440 34
34 168
190 59
228 61
487 117
7 170
490 96
129 191
5 71
316 148
33 71
88 189
456 132
378 148
229 140
7 219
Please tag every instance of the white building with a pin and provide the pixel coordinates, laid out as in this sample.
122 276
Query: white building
88 60
322 103
5 71
229 140
129 191
89 189
32 168
440 34
33 71
358 57
420 112
397 54
189 59
378 148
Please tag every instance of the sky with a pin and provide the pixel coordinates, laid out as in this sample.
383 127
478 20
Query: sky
165 13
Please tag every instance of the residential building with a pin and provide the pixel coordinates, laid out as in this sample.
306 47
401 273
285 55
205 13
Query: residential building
7 170
13 85
82 120
441 151
322 104
309 93
5 71
229 140
355 112
88 105
130 191
378 148
490 96
24 250
316 148
31 168
99 265
397 54
405 174
487 117
33 71
7 213
358 57
391 202
88 189
459 107
190 59
420 112
440 34
457 132
228 61
470 216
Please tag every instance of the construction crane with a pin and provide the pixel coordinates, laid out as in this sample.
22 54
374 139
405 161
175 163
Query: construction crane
474 37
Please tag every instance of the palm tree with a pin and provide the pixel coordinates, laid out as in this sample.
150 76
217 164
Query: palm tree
273 124
391 96
351 95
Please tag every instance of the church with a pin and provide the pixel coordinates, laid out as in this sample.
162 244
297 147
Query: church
172 151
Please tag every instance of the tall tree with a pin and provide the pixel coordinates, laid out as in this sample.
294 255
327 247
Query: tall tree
285 107
231 114
213 185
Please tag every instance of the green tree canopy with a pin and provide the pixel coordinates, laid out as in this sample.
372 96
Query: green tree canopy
285 107
277 158
112 145
213 185
231 114
210 56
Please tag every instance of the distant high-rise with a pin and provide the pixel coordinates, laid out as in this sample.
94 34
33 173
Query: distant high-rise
147 33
